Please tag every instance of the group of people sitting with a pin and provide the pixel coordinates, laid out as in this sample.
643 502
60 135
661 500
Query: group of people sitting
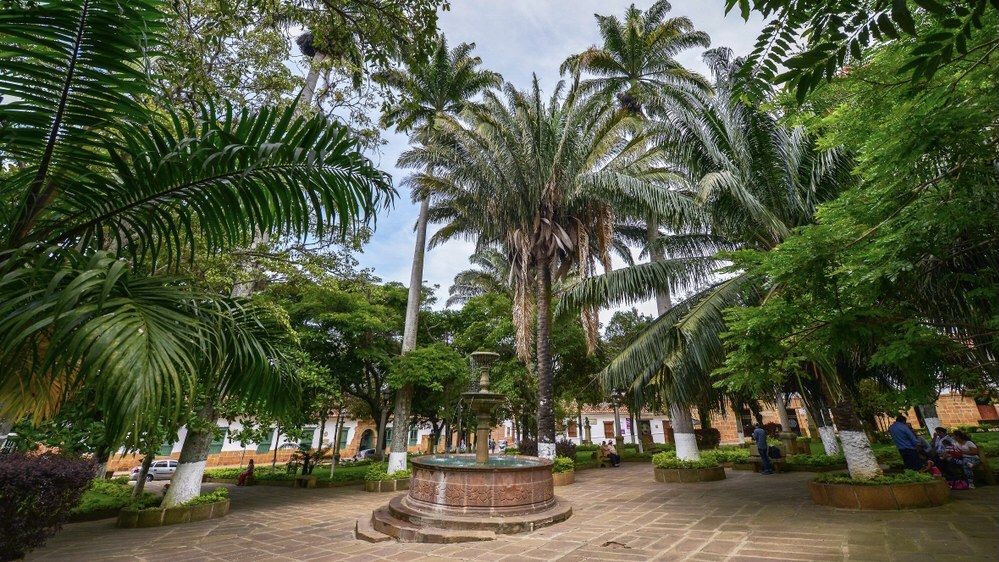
607 449
947 455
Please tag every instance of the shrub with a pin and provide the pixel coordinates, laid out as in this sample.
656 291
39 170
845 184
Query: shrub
817 460
907 477
590 447
226 473
563 464
36 496
217 495
708 438
667 459
566 449
727 454
528 447
103 495
380 472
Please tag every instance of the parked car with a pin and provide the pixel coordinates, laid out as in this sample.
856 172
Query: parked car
364 454
159 470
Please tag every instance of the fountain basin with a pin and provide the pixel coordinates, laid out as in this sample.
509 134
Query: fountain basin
510 485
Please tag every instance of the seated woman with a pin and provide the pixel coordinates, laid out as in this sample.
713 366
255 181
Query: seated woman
246 474
968 458
612 454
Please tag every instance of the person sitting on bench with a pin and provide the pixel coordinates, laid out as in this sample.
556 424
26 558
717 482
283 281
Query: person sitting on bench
608 450
246 475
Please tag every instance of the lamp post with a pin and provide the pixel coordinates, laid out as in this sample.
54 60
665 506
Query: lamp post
618 438
586 429
386 402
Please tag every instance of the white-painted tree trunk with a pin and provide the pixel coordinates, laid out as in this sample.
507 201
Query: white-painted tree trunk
186 481
828 436
785 421
683 433
860 457
930 419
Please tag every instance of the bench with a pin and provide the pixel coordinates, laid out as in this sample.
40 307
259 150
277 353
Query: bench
602 459
778 463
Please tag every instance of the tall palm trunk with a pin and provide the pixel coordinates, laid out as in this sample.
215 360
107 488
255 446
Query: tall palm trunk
826 430
860 459
679 416
186 482
309 91
546 413
404 396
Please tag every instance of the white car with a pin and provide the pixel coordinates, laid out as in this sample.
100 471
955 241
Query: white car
159 470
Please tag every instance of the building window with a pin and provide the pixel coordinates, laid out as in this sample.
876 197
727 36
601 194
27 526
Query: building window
216 446
265 445
165 450
414 436
609 429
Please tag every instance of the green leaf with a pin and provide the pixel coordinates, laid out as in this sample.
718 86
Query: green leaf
933 7
900 13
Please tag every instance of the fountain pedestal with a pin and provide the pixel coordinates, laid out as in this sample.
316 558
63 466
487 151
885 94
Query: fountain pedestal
461 498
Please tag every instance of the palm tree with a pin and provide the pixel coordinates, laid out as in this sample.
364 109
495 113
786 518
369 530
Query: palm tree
536 179
492 276
104 196
429 90
636 64
757 180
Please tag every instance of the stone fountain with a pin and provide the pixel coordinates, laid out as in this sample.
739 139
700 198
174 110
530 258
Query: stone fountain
460 498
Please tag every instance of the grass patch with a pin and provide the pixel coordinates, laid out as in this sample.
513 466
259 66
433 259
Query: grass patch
217 495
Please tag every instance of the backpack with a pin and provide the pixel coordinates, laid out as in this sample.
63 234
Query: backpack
773 452
958 484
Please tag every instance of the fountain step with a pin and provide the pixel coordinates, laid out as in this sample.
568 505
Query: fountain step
383 522
365 532
499 524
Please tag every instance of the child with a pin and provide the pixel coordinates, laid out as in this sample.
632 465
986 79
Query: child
932 470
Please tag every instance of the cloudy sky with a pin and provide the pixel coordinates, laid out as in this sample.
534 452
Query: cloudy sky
517 38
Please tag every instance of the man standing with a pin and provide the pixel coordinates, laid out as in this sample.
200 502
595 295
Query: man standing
905 441
760 437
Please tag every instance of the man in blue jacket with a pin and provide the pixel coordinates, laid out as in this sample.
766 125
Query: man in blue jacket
906 442
760 437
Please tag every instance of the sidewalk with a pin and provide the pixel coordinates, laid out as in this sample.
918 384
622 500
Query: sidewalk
618 514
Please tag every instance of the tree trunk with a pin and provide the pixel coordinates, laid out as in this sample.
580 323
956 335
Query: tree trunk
930 419
309 91
546 411
102 455
683 433
337 428
860 459
785 422
186 482
140 482
827 432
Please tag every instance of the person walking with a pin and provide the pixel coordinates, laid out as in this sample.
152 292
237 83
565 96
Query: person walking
760 437
906 443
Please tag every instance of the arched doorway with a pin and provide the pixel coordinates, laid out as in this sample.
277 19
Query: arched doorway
367 440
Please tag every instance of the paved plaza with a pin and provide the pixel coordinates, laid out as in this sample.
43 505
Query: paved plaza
619 514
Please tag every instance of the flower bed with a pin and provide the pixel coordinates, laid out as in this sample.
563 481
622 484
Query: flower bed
377 479
668 468
904 491
563 471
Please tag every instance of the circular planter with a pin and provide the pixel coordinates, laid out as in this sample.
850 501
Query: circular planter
563 478
136 519
887 496
386 485
690 474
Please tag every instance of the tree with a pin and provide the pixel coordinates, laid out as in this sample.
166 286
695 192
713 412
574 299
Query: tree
636 64
428 90
438 375
895 284
541 165
104 191
756 181
839 34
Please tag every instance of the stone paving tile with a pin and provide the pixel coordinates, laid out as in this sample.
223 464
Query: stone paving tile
619 514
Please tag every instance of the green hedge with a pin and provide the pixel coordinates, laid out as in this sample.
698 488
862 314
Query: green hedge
817 460
104 495
379 471
727 454
667 459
